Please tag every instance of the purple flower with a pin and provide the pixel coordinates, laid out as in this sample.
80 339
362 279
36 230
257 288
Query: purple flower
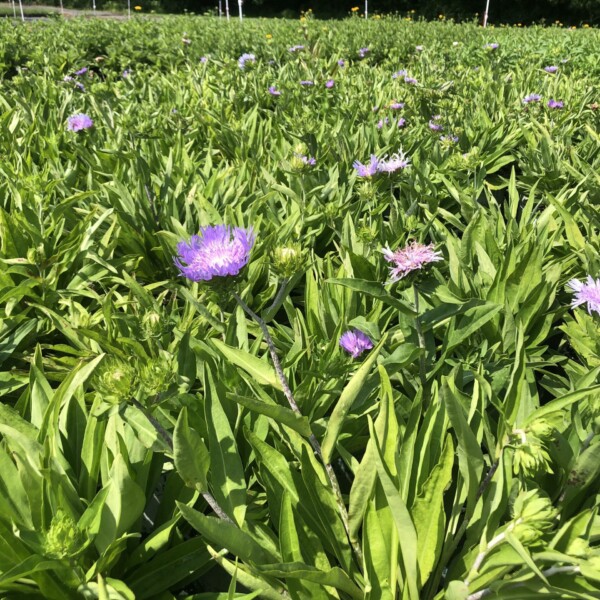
309 161
67 78
435 126
383 122
492 46
204 59
400 73
375 109
329 83
449 139
80 86
296 48
393 163
410 258
410 80
555 103
586 293
355 342
367 170
401 122
341 63
79 122
531 98
363 52
307 82
82 71
397 105
273 91
551 69
217 251
126 73
244 58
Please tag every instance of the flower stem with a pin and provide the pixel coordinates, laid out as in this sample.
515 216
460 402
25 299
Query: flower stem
166 436
423 350
335 486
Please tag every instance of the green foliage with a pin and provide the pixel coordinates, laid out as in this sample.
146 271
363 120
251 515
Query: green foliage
148 445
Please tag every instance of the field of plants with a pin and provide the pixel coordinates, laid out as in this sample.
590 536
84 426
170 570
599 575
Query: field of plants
299 309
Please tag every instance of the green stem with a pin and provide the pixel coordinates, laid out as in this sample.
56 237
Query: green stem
422 351
335 486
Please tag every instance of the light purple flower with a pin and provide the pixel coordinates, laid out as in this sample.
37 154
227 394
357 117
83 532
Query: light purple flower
341 63
383 122
296 48
492 46
397 105
412 257
82 71
80 86
204 59
217 251
551 69
309 161
367 170
244 58
363 52
307 82
586 293
67 78
375 109
329 83
274 91
126 73
400 73
394 163
449 139
355 342
555 103
531 98
435 126
401 122
410 80
79 122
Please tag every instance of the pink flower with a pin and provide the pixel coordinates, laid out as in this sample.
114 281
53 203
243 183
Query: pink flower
586 293
410 258
355 342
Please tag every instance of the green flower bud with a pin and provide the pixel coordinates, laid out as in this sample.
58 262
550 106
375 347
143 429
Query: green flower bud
287 260
156 375
63 539
116 380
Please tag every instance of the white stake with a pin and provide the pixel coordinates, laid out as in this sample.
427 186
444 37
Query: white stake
21 8
485 14
227 9
366 8
94 5
220 10
62 9
240 7
129 9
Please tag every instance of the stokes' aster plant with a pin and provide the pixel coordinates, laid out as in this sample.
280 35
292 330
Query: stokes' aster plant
410 258
355 342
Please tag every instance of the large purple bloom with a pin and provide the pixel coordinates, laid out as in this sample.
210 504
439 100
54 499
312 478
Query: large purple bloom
244 58
355 342
217 251
367 170
79 122
555 103
410 258
586 293
531 98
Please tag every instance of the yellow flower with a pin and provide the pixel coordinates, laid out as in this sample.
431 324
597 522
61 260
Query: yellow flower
269 36
441 17
137 8
586 26
354 9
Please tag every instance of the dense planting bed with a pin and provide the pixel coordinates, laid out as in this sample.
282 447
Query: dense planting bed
389 386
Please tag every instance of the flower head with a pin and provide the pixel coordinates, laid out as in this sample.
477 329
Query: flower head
435 126
79 122
341 63
586 293
410 80
355 342
217 251
363 52
400 73
396 105
307 82
274 91
492 46
309 161
551 69
401 122
531 98
419 48
203 59
382 122
410 258
296 48
449 139
555 103
329 83
393 163
82 71
367 170
244 58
